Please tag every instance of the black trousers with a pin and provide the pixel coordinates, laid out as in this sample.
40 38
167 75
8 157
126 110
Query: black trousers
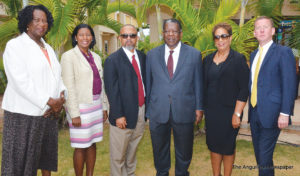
183 140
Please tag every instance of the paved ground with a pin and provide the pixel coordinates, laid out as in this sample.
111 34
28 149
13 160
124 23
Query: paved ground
291 135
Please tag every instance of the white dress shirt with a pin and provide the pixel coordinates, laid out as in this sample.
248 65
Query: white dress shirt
31 79
175 55
265 50
129 55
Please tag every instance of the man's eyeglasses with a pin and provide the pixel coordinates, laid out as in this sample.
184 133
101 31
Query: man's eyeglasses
223 36
125 36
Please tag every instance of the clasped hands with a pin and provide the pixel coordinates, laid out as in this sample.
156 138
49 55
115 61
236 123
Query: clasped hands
56 105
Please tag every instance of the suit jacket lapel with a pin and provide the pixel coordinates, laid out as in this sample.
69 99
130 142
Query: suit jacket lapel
81 56
268 56
181 59
126 61
162 60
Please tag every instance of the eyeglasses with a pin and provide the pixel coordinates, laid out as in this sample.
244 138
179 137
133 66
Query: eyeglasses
125 36
223 36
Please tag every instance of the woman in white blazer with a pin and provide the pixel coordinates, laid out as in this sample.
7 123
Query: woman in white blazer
34 91
87 103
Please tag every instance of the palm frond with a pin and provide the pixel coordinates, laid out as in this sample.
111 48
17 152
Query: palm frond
8 30
270 8
12 7
127 8
50 4
243 39
64 21
295 40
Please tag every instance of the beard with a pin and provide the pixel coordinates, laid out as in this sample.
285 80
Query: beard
129 47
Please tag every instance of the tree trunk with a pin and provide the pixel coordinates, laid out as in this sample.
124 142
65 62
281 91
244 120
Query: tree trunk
243 10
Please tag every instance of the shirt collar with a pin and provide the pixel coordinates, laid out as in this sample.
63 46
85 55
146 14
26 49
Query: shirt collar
267 45
176 49
129 53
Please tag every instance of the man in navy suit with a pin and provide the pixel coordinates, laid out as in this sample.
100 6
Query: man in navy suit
174 98
124 76
272 93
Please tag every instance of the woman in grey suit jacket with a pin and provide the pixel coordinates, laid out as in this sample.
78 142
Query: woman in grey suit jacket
86 103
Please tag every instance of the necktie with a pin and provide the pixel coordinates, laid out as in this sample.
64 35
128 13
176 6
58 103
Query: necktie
170 64
254 87
140 83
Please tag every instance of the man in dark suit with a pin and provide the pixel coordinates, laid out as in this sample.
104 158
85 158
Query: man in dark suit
174 88
272 93
124 73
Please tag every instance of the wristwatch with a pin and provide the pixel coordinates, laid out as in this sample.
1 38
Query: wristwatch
237 114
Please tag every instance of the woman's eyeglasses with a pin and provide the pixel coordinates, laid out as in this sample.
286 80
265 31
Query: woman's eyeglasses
223 36
125 36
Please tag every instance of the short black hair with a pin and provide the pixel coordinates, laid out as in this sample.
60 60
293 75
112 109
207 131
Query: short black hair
172 20
25 16
75 32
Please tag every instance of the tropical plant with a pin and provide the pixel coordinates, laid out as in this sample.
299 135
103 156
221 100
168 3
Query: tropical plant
198 23
295 40
8 29
65 14
146 46
270 8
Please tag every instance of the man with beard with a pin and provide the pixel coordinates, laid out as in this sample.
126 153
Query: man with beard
174 98
124 73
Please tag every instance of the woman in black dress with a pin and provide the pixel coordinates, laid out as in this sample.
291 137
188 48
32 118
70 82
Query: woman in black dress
226 76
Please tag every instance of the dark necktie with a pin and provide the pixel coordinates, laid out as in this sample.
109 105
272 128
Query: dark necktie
170 64
140 83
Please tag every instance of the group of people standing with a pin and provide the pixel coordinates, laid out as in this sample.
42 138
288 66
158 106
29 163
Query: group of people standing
172 87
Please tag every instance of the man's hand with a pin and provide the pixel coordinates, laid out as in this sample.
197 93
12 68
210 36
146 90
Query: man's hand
236 121
199 115
283 121
105 116
76 121
121 122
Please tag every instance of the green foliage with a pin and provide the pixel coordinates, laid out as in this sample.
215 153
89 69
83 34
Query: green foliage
146 46
295 40
198 24
270 8
65 19
12 7
8 30
124 7
3 79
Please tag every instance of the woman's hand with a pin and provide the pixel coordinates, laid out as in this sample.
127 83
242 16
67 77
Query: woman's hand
236 121
105 116
76 121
